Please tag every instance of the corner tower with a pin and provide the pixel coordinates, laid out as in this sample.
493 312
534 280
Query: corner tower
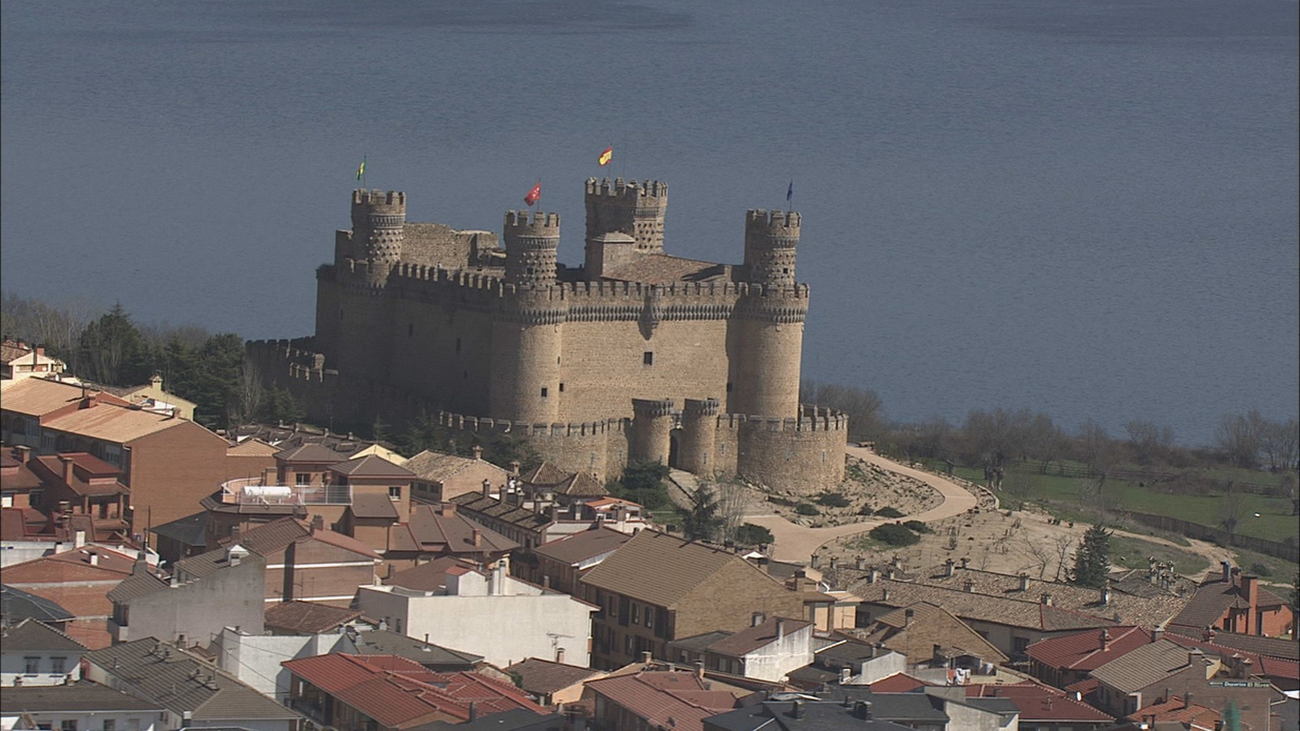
628 208
378 219
770 318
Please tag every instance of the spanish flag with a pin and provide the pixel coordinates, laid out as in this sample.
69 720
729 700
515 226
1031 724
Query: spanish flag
606 156
361 169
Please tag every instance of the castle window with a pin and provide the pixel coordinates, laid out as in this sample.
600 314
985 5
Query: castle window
561 387
648 358
728 386
544 392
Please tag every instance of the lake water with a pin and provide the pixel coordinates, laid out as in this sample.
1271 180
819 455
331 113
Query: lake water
1088 208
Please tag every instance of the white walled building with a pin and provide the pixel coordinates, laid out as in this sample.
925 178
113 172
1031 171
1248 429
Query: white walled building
34 654
497 616
82 705
767 650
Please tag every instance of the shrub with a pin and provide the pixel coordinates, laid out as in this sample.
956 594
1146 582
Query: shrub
833 500
807 509
754 535
917 526
894 535
1260 569
866 510
889 511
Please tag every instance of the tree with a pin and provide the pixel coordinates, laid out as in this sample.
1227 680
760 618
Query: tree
643 483
1291 488
1281 444
700 522
1020 486
1092 558
1240 436
1150 443
1233 506
1095 446
864 407
112 351
754 535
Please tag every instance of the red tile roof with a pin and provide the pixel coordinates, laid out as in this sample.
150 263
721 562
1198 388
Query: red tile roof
396 691
1040 703
1083 651
752 638
1176 709
897 683
307 617
660 696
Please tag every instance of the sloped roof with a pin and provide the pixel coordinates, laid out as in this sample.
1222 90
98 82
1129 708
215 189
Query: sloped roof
437 466
545 474
1177 710
387 642
74 565
1141 667
1083 651
180 682
17 477
1212 599
428 529
371 466
192 530
752 638
975 606
1270 646
38 396
579 547
474 502
544 677
660 569
30 635
430 576
251 447
310 453
660 696
269 539
308 618
117 424
581 484
141 582
371 505
81 696
928 626
17 605
1041 703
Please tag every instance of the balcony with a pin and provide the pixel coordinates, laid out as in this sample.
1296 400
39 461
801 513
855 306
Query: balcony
252 491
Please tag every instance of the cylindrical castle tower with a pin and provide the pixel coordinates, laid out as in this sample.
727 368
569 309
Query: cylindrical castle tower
770 319
378 219
636 210
770 241
527 341
531 242
652 425
699 433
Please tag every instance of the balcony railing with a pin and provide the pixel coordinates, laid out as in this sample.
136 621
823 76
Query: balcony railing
252 491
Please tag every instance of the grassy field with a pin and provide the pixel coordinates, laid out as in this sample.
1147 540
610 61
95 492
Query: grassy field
1132 553
1275 521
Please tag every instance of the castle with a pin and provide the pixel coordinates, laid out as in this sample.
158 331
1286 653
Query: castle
635 355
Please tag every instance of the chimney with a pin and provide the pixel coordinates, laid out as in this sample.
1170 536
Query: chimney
756 619
1104 644
1249 587
908 615
79 540
1104 594
873 575
1157 633
780 629
968 586
1024 581
476 537
473 710
814 560
514 467
94 557
646 656
23 453
965 562
477 451
891 573
234 534
487 488
797 709
67 468
859 562
1046 599
835 562
447 509
1187 699
862 710
317 523
1209 634
699 669
1236 575
845 674
884 594
949 567
559 654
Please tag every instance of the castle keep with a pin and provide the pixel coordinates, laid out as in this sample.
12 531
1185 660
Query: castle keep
635 355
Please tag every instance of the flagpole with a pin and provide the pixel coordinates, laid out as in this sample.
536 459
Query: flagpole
363 173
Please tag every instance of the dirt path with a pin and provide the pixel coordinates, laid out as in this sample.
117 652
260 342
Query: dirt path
798 543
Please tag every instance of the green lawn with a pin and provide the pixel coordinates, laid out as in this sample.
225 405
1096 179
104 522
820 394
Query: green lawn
1132 553
1275 521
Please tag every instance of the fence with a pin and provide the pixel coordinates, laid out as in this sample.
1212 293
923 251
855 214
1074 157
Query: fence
1287 549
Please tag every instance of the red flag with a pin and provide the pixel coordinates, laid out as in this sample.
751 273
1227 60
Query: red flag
534 194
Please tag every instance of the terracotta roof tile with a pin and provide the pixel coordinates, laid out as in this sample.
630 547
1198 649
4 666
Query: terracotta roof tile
311 453
1177 710
584 546
436 466
660 696
658 568
373 505
1083 651
752 638
1041 704
307 618
1013 612
429 576
112 423
1143 666
543 677
371 466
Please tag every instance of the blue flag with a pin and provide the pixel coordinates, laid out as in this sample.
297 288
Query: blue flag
789 192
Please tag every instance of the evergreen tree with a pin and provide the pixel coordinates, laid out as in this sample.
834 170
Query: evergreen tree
112 351
1092 558
701 522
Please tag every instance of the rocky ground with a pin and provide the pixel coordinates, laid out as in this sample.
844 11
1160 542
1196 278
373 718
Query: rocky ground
865 485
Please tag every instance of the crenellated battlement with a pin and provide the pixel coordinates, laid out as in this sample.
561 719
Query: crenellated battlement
532 223
811 418
482 424
757 219
627 191
379 199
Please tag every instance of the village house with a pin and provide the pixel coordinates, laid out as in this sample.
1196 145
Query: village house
660 699
78 580
1235 602
767 650
81 492
541 622
657 588
190 609
80 705
153 397
167 462
553 684
304 562
560 563
548 483
190 690
18 361
17 605
1275 659
389 693
1061 661
1043 708
430 532
852 662
32 653
440 477
526 526
938 646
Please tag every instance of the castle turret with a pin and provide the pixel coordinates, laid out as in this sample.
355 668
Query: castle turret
771 238
378 219
629 208
699 434
770 319
531 241
652 425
